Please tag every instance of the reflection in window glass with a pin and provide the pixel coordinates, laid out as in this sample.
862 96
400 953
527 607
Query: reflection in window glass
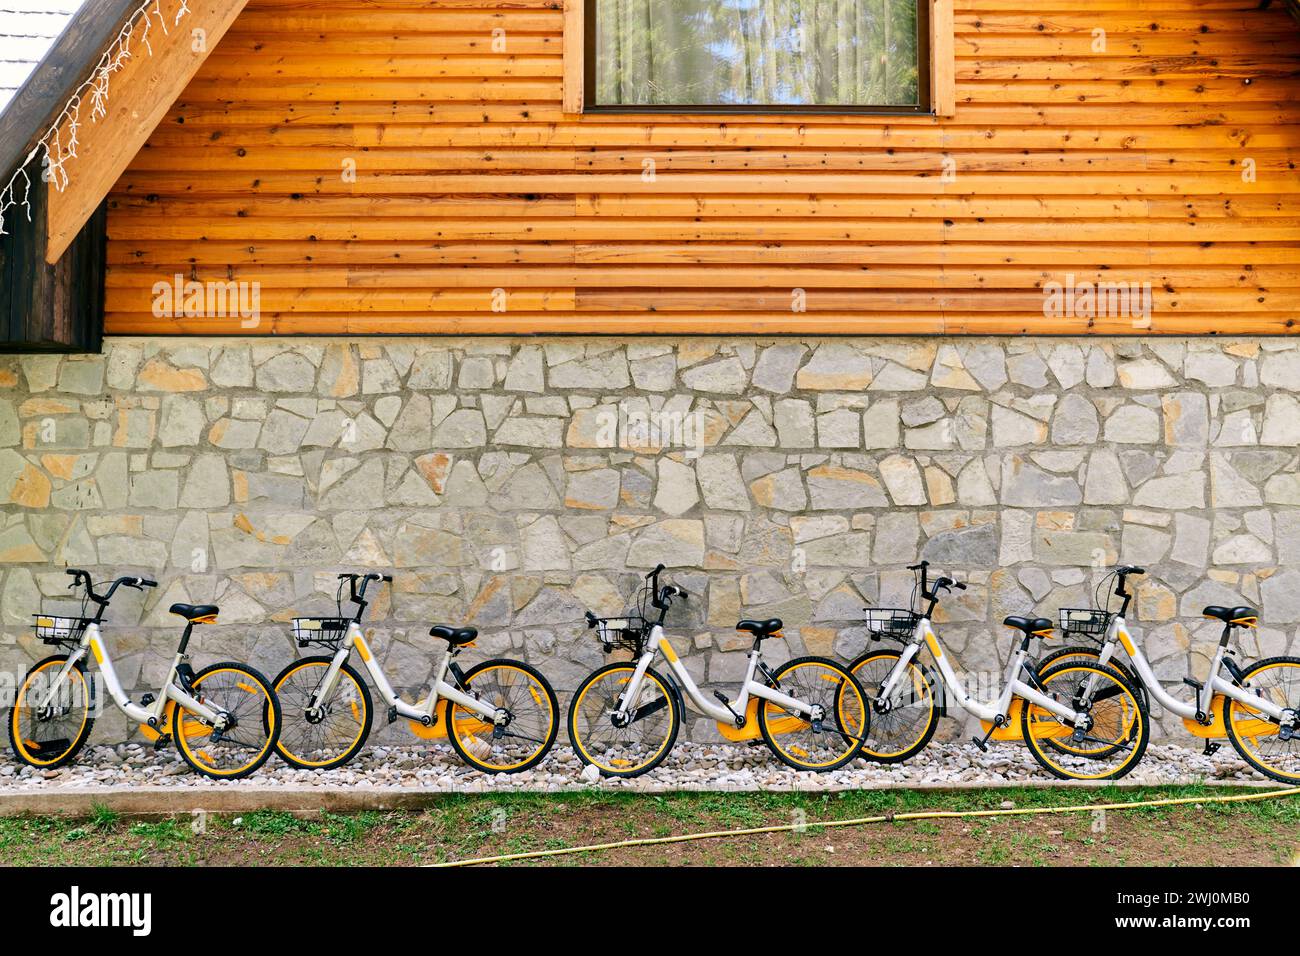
849 53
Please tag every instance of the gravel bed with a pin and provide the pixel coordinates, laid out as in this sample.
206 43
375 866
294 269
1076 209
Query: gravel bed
690 767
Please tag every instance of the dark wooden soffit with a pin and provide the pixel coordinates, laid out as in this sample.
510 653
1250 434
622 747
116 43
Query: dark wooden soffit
51 308
58 307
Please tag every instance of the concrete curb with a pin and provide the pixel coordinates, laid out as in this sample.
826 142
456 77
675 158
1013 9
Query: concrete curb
166 801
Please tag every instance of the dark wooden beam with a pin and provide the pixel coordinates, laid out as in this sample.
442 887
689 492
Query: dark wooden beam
51 308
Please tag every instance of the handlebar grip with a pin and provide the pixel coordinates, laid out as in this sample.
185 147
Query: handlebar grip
387 578
918 567
959 585
345 576
1132 569
148 583
674 591
591 620
657 569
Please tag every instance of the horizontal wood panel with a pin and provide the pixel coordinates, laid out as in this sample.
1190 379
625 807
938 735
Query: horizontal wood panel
1166 157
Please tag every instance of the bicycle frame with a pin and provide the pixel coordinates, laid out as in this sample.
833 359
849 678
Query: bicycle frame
719 712
1117 634
988 711
423 712
152 716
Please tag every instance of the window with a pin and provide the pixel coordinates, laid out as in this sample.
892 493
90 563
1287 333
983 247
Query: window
747 55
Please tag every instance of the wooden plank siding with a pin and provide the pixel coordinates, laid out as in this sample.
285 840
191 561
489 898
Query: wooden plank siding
1122 165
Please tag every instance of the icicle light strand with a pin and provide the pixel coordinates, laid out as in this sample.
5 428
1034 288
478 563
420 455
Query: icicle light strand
59 144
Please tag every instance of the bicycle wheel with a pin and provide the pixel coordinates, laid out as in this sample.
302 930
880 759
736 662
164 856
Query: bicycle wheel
336 732
901 728
533 711
822 745
1118 734
623 748
49 737
1089 655
1257 737
246 696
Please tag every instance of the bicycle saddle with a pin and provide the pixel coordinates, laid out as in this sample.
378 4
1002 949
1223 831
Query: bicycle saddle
197 613
455 636
760 628
1030 625
1233 616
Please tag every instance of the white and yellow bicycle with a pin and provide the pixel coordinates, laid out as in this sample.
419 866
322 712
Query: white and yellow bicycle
1256 707
625 717
500 716
1080 719
224 719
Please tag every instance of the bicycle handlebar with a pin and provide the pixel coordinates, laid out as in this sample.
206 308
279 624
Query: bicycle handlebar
81 577
358 597
930 592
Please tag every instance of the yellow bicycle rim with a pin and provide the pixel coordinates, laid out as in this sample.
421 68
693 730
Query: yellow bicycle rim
620 766
358 709
188 727
20 742
781 723
471 722
923 695
1130 731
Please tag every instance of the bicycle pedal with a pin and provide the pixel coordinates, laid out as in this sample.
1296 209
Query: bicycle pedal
163 741
147 699
392 714
1211 748
1193 682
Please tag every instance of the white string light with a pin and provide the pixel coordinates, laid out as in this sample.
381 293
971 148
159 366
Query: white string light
59 144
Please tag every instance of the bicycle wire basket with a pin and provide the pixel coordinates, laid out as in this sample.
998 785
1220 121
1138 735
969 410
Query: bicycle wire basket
1088 621
892 622
59 631
626 633
320 631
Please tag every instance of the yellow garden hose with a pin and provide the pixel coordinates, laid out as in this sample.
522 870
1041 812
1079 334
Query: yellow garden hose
860 821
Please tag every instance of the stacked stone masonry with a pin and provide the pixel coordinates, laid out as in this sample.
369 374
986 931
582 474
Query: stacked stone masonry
512 484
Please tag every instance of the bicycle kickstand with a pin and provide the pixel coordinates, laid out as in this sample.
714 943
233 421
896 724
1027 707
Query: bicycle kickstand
983 744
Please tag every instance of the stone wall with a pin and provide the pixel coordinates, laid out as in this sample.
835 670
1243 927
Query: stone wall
512 484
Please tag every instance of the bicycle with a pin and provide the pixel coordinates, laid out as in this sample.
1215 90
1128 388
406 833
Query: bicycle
625 716
1257 707
500 716
224 719
1091 705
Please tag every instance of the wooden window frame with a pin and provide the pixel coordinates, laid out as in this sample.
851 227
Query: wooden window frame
937 93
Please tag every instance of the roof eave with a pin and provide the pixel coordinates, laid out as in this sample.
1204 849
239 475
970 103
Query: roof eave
65 67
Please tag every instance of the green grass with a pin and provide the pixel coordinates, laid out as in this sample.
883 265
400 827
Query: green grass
457 826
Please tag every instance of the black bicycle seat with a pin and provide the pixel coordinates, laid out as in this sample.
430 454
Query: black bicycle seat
1233 616
455 636
1030 625
197 613
760 628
